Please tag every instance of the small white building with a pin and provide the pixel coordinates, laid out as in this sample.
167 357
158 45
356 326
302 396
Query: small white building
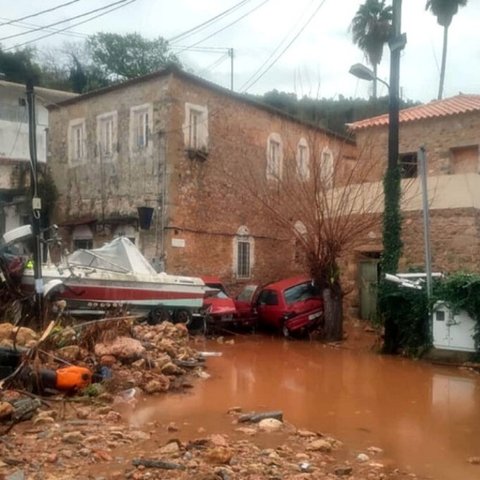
14 148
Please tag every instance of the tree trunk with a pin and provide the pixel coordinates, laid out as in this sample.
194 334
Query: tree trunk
444 63
374 93
333 314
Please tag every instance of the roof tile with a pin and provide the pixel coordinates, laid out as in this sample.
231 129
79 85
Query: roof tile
458 104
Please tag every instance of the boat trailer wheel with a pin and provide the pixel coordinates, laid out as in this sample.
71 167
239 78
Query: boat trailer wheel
158 315
182 316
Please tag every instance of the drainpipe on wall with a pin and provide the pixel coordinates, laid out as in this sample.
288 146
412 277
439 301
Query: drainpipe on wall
422 163
162 184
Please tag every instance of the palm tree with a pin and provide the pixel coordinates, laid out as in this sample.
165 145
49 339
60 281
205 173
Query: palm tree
371 28
444 10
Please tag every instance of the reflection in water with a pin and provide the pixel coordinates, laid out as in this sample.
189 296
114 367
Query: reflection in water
425 418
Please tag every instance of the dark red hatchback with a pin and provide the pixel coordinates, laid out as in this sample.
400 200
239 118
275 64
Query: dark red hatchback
292 305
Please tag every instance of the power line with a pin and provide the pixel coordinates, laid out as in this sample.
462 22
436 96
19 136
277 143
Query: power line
199 49
32 25
226 26
252 80
215 64
205 24
38 13
63 21
128 2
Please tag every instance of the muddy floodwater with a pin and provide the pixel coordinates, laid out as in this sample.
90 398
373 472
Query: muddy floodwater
426 418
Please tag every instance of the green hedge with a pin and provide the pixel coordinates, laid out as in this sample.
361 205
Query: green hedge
404 312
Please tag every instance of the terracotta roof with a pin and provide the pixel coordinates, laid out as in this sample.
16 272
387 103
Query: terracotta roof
459 104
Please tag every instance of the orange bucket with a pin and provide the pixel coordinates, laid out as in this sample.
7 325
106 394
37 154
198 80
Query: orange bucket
73 378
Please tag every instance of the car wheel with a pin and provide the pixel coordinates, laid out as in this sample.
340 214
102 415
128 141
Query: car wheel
158 315
183 316
198 325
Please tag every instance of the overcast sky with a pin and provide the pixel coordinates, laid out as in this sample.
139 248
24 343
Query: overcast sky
317 62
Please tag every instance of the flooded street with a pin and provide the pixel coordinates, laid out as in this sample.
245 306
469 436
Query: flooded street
426 418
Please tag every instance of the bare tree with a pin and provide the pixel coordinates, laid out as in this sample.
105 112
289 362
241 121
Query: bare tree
324 197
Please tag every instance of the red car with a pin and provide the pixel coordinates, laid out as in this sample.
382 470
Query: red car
220 309
292 305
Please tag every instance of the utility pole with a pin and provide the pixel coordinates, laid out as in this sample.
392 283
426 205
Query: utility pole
230 53
397 44
392 222
36 202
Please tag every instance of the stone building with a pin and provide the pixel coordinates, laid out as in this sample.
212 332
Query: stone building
449 130
172 144
14 149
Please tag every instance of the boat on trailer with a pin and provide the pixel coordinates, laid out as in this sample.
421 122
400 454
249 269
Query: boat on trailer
118 275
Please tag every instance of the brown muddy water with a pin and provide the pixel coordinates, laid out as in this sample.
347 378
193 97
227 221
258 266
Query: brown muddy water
426 418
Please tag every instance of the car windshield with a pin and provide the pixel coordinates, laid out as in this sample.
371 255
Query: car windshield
247 293
302 291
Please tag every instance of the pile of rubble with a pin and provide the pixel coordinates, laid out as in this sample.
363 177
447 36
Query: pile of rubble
102 361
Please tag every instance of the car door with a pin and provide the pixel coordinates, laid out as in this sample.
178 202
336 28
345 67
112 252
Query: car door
268 307
244 302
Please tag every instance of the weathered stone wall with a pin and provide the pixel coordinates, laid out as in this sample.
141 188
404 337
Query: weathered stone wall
100 187
454 240
441 137
454 244
206 210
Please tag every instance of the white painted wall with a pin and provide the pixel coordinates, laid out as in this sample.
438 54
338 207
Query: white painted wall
14 144
444 191
14 126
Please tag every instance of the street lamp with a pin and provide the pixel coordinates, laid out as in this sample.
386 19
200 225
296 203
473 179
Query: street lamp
364 73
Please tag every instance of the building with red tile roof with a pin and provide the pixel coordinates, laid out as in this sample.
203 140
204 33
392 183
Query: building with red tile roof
449 131
459 104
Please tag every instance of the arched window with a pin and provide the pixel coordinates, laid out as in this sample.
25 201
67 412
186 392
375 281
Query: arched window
274 157
243 253
303 159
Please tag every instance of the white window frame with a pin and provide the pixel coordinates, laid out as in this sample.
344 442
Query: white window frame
107 134
141 127
326 167
243 266
76 141
195 127
274 157
303 159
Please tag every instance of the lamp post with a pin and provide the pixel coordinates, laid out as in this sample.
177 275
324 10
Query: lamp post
392 243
